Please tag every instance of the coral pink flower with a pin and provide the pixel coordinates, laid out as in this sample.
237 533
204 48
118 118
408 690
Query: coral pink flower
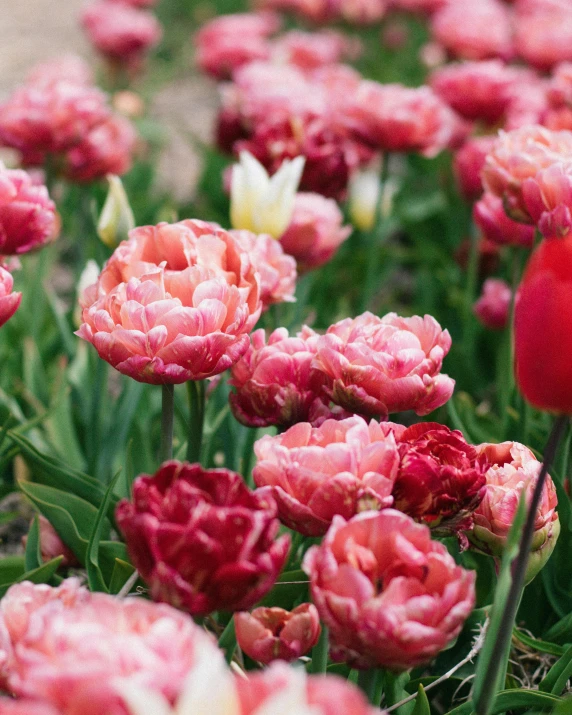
519 155
514 468
396 118
50 117
559 90
51 546
376 366
493 307
310 50
70 68
548 198
489 215
338 468
269 634
441 479
318 11
476 31
274 383
28 216
25 707
230 41
174 303
201 540
106 149
543 36
361 12
390 596
468 164
477 90
289 691
9 301
277 270
119 31
315 231
73 650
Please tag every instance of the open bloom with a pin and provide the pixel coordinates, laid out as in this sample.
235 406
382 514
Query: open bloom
274 382
174 303
9 301
441 478
493 306
201 540
315 231
73 649
489 215
341 467
28 216
269 634
548 198
390 596
261 203
543 34
514 469
310 50
375 366
468 164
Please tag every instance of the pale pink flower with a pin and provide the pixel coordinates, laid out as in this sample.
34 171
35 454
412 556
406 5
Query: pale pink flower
119 31
469 162
28 217
360 12
9 301
543 35
174 303
274 381
25 706
277 269
514 468
389 595
519 155
376 366
548 198
268 634
559 90
315 232
489 215
493 306
474 31
310 50
69 67
341 467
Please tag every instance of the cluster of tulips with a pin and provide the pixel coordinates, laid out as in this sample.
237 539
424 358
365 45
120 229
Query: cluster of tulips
369 519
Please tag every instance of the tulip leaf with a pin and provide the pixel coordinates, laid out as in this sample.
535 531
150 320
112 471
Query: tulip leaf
564 707
42 574
538 645
122 571
557 677
11 568
95 576
33 554
421 703
508 700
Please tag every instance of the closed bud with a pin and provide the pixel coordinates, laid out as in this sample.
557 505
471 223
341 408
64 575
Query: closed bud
116 218
364 191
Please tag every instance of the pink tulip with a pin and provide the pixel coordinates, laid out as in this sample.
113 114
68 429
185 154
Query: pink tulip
274 383
119 31
318 11
51 546
548 198
201 539
136 3
514 469
423 6
360 12
389 595
9 301
174 303
311 50
25 707
341 467
315 231
277 270
559 90
375 366
106 149
269 634
468 164
543 35
489 215
28 216
493 307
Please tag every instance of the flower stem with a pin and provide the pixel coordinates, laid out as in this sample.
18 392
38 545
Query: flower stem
500 653
227 640
371 682
320 653
167 420
196 394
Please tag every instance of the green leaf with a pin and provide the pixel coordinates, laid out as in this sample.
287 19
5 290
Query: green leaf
121 573
33 555
557 677
11 568
95 577
513 700
40 575
560 632
61 428
535 644
422 703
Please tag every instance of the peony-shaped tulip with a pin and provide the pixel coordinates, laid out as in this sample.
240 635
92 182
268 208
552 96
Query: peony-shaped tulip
519 155
9 301
274 383
25 706
201 539
514 469
375 366
441 478
269 634
360 12
174 303
75 650
468 163
310 50
543 35
389 595
28 216
489 215
493 306
315 231
341 467
548 198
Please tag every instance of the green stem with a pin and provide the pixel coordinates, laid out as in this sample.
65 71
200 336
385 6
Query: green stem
167 420
469 321
99 390
320 653
394 688
196 394
371 682
501 650
227 640
247 456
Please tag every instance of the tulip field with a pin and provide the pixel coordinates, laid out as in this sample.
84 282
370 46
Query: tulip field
298 443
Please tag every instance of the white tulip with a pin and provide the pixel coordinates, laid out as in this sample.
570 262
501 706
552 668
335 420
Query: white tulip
364 194
116 218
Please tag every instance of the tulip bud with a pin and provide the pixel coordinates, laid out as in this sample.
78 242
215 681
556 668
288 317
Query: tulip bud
261 203
116 218
493 307
364 191
269 634
88 277
51 546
